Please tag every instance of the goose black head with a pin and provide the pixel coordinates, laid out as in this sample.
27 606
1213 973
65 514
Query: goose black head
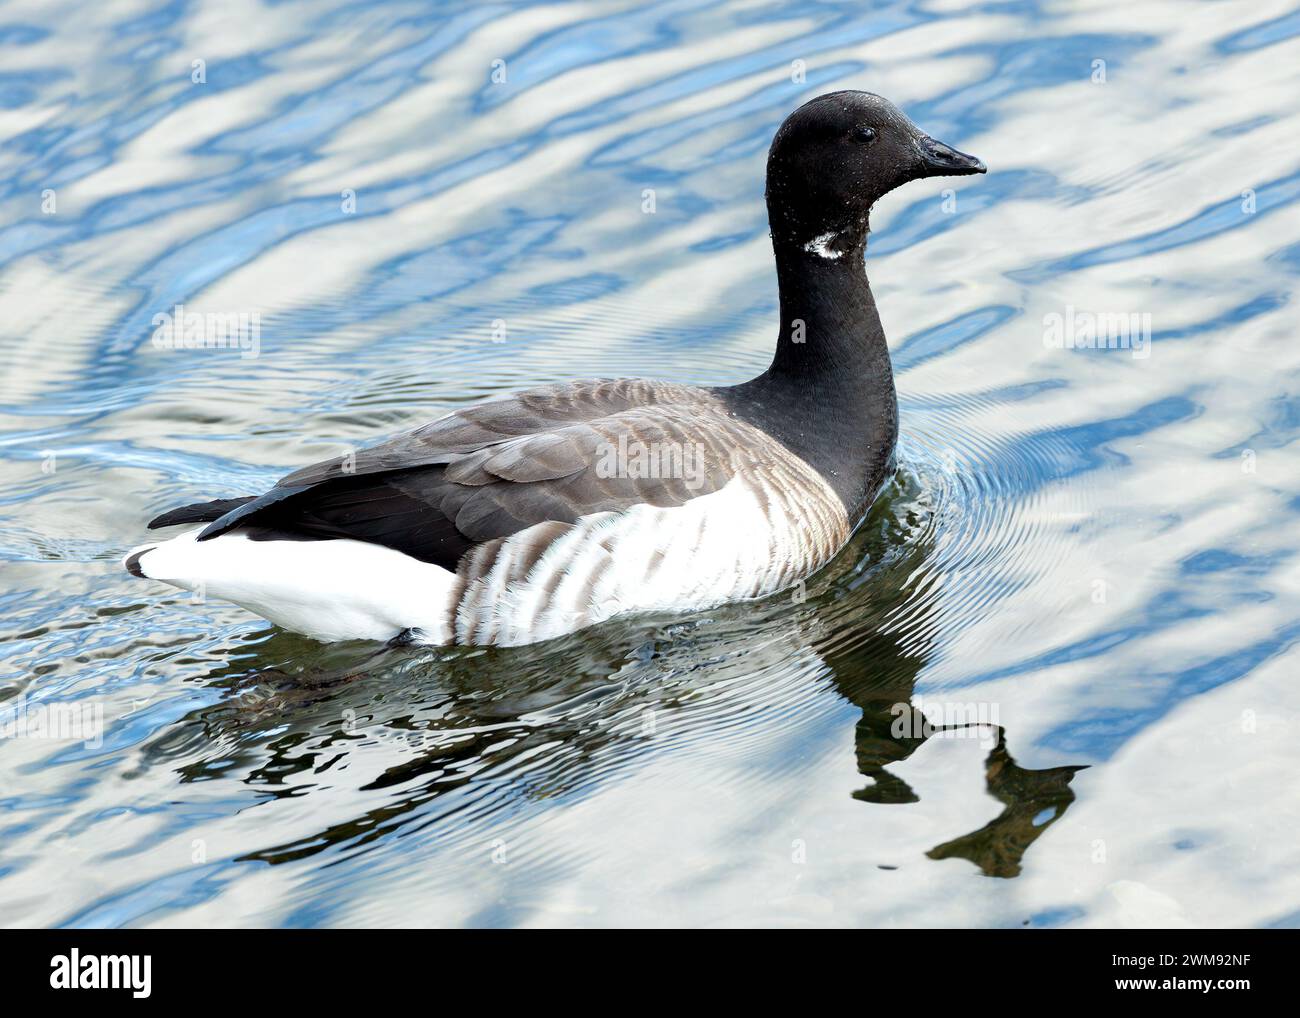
834 157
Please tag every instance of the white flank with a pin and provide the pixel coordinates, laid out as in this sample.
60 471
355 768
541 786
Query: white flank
328 590
818 246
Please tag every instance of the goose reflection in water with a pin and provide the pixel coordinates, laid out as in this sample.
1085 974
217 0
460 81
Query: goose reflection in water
875 664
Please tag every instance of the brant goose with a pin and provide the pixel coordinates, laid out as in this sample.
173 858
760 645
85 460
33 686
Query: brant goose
536 515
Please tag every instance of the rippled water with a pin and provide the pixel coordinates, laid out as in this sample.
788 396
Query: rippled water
1093 552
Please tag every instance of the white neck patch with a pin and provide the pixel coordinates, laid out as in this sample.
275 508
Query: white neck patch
819 246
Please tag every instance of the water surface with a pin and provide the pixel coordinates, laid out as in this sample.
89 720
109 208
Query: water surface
1087 563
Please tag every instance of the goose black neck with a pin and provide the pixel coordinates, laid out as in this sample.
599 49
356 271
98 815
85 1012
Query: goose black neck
830 331
829 393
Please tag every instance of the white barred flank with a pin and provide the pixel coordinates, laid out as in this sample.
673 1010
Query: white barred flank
757 535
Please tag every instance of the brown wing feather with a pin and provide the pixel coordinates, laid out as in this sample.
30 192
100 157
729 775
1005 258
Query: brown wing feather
554 454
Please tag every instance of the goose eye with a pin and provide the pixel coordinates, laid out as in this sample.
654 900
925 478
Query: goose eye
865 133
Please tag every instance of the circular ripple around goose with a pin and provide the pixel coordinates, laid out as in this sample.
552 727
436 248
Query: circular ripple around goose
971 512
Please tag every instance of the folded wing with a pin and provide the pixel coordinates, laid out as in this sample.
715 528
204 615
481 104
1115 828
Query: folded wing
553 454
